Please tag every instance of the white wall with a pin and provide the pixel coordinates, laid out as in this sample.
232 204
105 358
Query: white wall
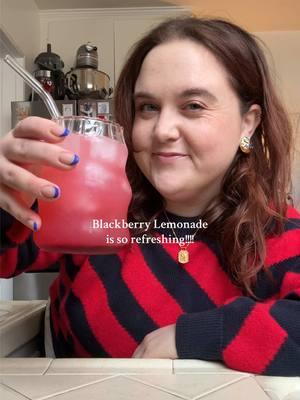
284 58
20 21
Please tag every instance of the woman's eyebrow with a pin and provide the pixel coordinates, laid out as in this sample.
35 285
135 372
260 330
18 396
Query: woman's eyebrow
201 92
194 91
143 95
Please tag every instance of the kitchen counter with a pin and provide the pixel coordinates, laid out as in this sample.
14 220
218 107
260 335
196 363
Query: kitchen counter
124 379
20 324
117 379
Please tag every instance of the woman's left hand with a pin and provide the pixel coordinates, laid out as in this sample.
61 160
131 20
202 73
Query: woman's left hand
158 344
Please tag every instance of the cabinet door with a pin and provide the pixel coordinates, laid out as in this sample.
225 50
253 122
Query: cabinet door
127 32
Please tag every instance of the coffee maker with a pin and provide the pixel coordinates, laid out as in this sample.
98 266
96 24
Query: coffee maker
50 74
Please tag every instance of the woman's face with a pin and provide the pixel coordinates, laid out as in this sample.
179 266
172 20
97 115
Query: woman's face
187 124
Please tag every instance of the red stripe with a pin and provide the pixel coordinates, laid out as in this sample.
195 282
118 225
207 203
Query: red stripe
18 232
66 328
8 263
291 283
43 260
59 317
204 268
297 291
293 213
143 285
114 338
79 259
257 342
283 247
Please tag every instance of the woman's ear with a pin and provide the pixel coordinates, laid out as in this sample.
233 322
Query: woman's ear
251 120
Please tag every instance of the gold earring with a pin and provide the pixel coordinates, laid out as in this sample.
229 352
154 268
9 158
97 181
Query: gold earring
245 145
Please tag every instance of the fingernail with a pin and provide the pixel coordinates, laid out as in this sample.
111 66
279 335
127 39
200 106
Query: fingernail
58 132
51 192
66 132
68 158
33 225
75 160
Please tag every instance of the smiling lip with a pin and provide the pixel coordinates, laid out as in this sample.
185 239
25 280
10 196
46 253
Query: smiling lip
168 156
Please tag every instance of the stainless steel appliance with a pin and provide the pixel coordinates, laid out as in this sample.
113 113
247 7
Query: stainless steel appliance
85 80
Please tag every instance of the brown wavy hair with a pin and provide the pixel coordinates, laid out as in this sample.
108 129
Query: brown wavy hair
253 200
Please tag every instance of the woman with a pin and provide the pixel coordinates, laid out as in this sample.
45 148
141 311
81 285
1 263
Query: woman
207 138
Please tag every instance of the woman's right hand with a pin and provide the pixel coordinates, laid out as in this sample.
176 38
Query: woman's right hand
31 144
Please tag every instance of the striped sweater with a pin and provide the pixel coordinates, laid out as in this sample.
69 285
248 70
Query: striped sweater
104 305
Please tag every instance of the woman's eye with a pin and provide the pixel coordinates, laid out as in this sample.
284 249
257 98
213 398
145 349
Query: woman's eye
194 106
147 107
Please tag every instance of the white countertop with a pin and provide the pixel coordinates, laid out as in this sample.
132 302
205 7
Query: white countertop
124 379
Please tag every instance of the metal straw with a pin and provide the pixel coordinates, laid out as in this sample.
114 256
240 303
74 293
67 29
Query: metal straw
35 85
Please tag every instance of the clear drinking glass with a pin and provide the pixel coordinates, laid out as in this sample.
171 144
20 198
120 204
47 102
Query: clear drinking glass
90 215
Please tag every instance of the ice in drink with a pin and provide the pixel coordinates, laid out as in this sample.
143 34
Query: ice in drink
95 189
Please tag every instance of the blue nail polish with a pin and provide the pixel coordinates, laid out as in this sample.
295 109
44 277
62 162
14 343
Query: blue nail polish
35 226
66 132
56 192
75 160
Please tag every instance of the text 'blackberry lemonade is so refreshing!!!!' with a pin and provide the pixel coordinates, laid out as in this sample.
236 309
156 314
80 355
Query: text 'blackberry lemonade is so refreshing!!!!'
95 189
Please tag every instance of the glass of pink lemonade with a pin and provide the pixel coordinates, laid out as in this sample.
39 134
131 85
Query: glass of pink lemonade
90 215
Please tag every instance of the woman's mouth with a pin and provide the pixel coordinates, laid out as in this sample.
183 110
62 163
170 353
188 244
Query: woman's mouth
168 157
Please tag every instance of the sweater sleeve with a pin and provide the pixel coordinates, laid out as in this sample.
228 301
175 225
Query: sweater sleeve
261 337
18 251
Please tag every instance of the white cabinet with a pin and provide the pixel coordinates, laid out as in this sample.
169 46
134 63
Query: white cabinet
66 36
112 31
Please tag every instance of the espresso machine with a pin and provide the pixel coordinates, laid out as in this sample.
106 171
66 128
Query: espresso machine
50 74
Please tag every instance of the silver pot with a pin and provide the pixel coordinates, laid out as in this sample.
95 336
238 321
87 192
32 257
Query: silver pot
83 83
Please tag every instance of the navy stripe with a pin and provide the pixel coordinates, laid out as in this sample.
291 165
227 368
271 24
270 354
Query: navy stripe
265 288
287 314
234 315
121 301
291 224
81 328
62 290
27 254
292 296
70 267
6 221
54 267
286 362
198 335
175 279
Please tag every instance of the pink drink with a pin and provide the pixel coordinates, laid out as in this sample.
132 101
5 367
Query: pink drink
95 191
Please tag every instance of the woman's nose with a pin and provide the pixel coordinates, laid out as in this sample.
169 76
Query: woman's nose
166 126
